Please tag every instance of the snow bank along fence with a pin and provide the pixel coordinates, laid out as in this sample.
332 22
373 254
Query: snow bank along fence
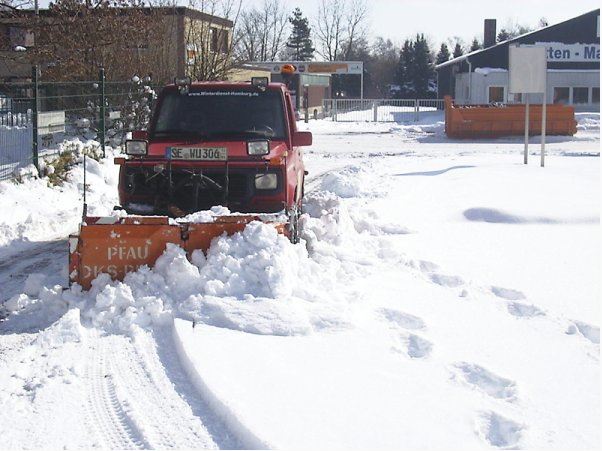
36 116
381 110
482 121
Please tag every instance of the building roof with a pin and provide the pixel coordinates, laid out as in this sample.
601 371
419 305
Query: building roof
165 10
509 41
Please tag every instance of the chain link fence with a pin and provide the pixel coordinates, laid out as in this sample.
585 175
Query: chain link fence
37 117
382 110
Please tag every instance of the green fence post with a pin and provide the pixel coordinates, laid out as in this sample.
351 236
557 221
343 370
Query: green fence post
103 105
34 117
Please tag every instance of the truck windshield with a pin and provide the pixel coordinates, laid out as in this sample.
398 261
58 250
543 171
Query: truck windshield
221 114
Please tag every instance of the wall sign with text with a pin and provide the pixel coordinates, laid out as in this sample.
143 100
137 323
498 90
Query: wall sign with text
571 53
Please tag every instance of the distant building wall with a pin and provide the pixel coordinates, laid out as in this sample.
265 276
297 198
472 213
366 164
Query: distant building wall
578 88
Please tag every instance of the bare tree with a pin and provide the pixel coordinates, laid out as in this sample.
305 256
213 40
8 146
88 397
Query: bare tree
261 34
13 58
329 28
355 25
340 24
13 5
209 43
74 38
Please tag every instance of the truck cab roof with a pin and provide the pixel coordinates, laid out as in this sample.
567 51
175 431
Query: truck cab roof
234 85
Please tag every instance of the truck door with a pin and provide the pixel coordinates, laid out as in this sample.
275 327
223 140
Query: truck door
295 160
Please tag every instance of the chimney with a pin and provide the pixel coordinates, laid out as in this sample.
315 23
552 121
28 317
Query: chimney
489 33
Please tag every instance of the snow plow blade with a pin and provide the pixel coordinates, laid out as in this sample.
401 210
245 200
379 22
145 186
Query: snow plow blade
117 246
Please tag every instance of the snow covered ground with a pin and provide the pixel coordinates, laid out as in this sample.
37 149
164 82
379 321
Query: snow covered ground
445 295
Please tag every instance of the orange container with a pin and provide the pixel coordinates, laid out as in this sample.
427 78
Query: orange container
484 121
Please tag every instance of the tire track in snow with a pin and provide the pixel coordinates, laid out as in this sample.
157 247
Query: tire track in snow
162 415
106 415
217 428
41 257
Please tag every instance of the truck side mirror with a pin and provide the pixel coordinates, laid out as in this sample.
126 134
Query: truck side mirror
140 135
302 139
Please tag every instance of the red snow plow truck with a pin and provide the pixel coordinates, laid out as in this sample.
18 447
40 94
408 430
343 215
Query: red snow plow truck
208 144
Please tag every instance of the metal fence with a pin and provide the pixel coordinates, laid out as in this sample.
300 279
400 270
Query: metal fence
36 117
381 110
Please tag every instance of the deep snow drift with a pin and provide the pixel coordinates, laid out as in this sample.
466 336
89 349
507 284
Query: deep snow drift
444 294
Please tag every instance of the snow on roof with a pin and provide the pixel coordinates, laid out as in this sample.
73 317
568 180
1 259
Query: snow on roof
489 70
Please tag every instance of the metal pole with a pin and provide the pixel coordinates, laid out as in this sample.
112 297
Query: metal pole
85 207
103 102
335 101
543 124
362 83
34 119
526 128
469 82
306 102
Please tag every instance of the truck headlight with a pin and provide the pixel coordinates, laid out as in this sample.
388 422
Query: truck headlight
133 147
258 148
266 181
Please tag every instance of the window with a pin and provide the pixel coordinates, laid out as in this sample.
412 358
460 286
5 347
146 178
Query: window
219 40
580 95
223 113
596 95
561 95
496 94
223 41
214 39
20 37
191 54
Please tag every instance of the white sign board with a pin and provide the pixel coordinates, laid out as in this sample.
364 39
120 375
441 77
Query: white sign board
571 53
51 122
528 69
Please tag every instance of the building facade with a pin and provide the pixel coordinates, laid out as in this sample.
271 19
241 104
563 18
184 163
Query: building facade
573 75
179 42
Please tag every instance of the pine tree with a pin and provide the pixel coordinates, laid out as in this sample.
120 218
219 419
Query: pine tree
422 71
475 45
299 41
503 35
443 54
403 73
458 50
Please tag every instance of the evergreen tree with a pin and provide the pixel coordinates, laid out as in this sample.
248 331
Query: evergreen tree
403 73
503 35
443 54
475 45
422 71
458 50
299 41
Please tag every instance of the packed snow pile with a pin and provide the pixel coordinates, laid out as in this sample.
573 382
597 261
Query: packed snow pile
254 281
39 211
588 121
205 216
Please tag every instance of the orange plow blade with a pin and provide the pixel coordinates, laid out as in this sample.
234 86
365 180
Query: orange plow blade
117 246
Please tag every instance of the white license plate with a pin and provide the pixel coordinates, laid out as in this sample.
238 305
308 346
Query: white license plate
198 153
